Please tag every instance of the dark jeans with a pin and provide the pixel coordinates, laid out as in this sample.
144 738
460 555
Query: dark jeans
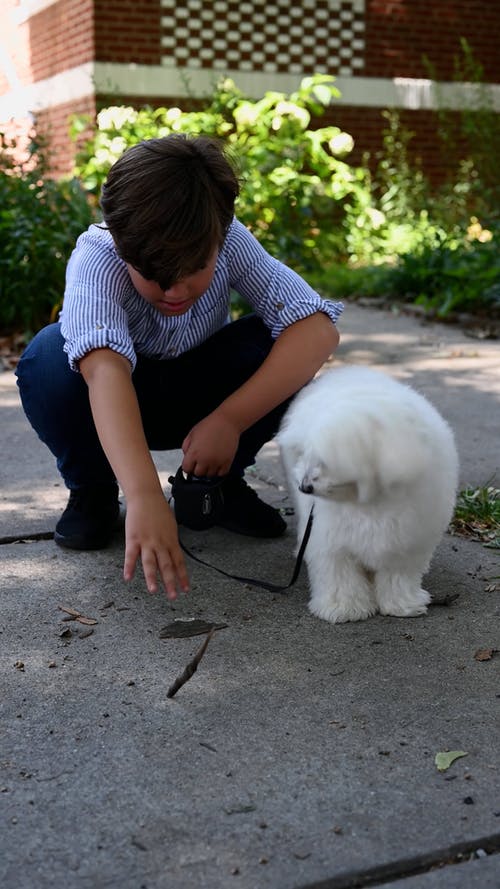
173 395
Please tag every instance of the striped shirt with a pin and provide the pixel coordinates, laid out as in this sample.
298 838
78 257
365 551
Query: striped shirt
102 308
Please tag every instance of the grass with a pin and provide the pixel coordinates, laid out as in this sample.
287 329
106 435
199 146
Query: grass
477 515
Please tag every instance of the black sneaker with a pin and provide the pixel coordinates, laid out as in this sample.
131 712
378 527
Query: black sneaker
245 513
90 517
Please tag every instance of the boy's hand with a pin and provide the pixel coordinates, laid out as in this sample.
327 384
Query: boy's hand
150 527
210 446
151 535
298 352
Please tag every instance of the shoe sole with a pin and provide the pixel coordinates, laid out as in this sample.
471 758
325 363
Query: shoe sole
81 544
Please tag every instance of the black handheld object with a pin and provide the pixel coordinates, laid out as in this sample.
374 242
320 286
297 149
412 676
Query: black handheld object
198 501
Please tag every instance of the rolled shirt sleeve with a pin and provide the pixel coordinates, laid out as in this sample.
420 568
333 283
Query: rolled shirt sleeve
93 314
276 293
102 308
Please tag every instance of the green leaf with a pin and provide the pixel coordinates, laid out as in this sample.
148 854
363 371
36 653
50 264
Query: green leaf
444 760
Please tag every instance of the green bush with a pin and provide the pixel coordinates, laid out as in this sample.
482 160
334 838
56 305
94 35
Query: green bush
440 278
471 139
417 245
349 231
299 195
40 220
449 279
294 179
397 213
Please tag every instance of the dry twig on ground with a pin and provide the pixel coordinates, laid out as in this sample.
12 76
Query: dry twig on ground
190 668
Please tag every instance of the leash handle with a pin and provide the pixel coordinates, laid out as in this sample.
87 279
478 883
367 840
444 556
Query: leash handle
263 584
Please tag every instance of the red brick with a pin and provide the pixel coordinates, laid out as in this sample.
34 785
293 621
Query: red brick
398 34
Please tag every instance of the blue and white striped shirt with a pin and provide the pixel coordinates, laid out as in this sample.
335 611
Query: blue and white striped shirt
102 308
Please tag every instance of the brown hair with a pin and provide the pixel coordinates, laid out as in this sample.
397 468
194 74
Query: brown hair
168 204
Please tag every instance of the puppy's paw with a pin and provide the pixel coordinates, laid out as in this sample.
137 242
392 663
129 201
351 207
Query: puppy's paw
412 605
339 613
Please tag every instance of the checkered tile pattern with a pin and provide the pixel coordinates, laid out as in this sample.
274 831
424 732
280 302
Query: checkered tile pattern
311 36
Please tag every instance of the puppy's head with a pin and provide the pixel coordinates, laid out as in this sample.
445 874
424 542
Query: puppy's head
357 443
320 486
336 469
319 479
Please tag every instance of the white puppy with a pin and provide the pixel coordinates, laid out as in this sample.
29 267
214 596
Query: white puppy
380 465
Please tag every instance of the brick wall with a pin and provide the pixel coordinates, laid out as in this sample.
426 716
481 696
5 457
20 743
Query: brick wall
128 31
54 123
399 33
349 38
60 37
366 126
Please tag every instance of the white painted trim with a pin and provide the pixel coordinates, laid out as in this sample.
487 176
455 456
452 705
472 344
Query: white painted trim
68 86
377 92
160 80
27 8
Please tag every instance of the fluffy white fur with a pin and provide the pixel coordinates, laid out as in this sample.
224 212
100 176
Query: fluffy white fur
380 465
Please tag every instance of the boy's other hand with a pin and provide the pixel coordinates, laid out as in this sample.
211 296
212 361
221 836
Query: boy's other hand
151 535
210 446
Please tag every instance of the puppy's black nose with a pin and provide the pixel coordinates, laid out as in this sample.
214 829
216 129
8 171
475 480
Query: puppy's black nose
306 488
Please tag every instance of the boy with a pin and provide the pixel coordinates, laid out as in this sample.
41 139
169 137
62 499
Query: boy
145 358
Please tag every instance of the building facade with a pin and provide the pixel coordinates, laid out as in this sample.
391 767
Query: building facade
59 57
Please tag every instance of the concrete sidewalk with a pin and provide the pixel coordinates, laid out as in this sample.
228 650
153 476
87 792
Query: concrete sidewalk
301 754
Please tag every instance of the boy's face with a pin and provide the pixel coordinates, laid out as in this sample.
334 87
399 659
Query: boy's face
181 295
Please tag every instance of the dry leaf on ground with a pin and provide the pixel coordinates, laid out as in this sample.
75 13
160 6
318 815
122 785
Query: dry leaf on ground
445 759
484 654
182 629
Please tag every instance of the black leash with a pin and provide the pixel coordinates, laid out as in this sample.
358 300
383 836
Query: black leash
263 584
